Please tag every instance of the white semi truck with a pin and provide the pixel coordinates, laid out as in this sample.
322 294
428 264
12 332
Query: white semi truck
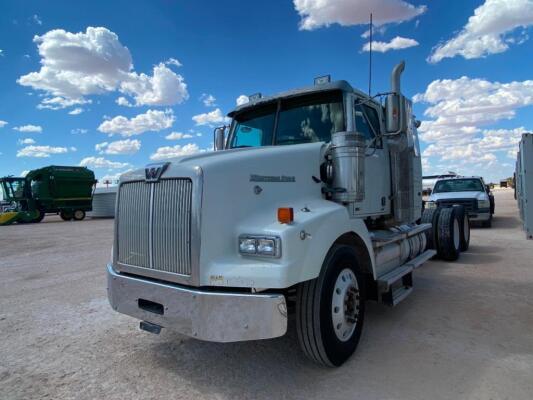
310 206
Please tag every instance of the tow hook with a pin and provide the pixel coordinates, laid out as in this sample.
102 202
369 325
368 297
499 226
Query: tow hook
149 327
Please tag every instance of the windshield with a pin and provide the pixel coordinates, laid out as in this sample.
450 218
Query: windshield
458 185
303 120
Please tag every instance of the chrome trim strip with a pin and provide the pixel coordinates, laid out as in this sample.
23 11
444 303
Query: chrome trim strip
151 227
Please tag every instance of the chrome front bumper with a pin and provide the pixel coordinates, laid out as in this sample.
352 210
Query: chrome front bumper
205 315
479 215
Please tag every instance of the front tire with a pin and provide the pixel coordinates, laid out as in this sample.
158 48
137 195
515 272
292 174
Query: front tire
330 309
79 215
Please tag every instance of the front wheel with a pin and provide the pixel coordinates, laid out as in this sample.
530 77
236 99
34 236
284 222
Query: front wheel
79 215
330 309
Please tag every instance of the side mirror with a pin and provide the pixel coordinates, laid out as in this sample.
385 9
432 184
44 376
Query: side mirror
219 138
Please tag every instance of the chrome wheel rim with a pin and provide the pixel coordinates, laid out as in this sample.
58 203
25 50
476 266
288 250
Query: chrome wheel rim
456 233
345 305
78 214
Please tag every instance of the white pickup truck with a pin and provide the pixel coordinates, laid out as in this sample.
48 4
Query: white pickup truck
308 208
470 192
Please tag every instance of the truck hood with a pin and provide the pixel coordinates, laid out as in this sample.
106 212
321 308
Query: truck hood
250 160
458 195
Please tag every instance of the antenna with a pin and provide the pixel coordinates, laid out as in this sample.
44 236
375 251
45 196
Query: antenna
370 61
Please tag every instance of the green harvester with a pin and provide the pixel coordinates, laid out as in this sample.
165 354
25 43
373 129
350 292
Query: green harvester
67 191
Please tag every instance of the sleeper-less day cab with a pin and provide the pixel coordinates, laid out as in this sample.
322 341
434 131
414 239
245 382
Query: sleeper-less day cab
310 206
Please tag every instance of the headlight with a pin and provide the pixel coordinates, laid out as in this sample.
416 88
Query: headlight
483 203
431 204
269 246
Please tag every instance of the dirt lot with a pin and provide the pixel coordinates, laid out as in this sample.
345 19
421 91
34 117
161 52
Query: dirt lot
465 333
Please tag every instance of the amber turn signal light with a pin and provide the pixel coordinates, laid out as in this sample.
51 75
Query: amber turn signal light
285 215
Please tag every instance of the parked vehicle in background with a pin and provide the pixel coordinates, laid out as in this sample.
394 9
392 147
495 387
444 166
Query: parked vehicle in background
428 181
469 192
63 190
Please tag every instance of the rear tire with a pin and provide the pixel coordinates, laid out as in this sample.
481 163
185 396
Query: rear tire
330 309
431 216
449 243
464 227
66 215
39 218
79 215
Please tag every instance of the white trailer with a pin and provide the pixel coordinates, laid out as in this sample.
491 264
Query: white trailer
524 182
310 206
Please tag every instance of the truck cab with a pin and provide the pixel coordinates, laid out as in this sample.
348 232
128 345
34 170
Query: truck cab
310 205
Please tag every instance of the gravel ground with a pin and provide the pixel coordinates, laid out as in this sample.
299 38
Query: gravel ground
464 333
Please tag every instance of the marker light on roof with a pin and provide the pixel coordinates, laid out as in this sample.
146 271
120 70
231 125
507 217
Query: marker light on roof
254 97
321 80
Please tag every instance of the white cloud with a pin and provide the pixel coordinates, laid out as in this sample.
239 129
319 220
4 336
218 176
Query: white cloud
163 88
317 13
122 101
2 53
167 152
76 65
178 136
459 112
26 141
375 31
210 118
173 61
37 19
472 102
3 123
397 43
152 120
488 31
208 100
78 131
101 162
242 99
59 103
40 151
29 128
76 111
127 146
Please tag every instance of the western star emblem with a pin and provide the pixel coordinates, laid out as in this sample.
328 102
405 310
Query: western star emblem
153 172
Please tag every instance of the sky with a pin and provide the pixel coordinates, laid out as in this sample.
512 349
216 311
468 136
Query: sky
115 85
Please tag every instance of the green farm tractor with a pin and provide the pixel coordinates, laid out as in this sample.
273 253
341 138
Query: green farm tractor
67 191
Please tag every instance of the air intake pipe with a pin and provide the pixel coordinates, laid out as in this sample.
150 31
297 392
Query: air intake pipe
395 119
395 77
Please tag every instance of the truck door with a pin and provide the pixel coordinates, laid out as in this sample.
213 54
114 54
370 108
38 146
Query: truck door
368 121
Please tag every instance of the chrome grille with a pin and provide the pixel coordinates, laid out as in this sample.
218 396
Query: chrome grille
470 205
133 224
171 226
154 225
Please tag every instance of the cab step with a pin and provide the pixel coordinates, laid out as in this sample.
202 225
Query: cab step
396 285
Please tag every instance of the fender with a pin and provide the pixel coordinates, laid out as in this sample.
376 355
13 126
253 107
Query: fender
324 229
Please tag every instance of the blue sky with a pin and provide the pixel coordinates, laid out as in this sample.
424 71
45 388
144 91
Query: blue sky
179 66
